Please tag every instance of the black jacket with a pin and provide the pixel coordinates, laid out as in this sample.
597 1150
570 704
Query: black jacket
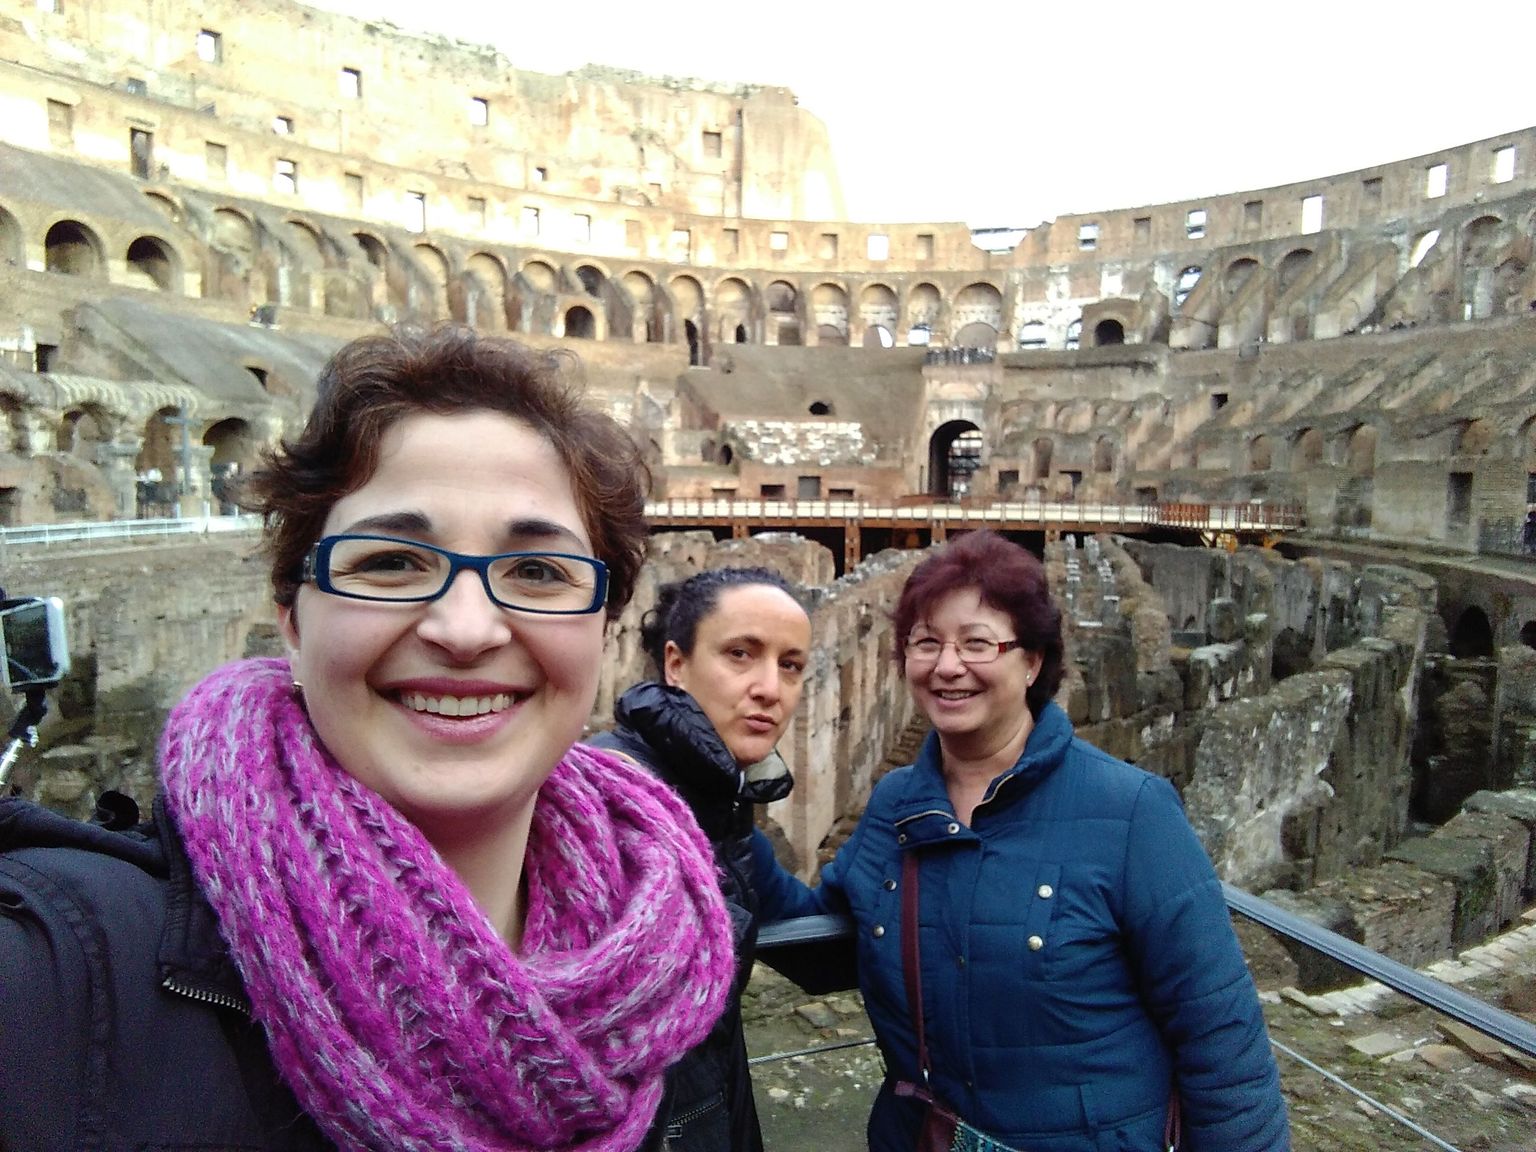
710 1107
123 1023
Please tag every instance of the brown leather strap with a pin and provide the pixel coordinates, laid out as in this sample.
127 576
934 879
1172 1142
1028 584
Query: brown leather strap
911 958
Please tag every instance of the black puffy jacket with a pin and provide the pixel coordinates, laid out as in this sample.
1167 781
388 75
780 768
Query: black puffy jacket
710 1106
123 1023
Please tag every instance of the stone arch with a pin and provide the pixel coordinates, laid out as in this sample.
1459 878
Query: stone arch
485 304
1422 247
592 279
1361 450
152 263
1308 449
374 250
72 249
304 241
688 299
978 335
953 458
733 309
160 446
783 303
1074 338
1291 268
434 268
1237 275
541 276
650 317
82 428
164 204
13 245
1108 332
580 324
1474 438
1472 636
924 304
1480 238
1528 633
236 450
878 314
1185 284
829 307
1261 454
233 231
977 303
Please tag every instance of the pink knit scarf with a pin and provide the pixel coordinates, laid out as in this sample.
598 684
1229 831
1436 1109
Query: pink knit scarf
395 1013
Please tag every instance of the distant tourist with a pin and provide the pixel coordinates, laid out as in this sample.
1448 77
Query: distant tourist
729 646
1074 983
384 903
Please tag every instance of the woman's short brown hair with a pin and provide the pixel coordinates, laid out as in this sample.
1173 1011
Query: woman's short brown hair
1008 578
376 381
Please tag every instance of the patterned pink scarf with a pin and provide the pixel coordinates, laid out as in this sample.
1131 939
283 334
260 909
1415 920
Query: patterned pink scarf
393 1010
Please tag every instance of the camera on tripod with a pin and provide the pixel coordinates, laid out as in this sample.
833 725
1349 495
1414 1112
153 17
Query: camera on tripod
36 658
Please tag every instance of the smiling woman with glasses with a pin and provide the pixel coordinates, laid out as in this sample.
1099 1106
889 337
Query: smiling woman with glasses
386 901
1014 865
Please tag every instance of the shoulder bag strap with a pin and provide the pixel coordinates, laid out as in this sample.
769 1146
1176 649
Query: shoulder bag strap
911 969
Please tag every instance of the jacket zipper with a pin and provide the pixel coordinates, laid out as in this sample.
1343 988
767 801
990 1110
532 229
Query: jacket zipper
679 1121
203 996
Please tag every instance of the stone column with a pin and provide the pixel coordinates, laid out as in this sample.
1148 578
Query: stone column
118 463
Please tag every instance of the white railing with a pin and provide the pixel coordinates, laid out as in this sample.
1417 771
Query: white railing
1212 517
49 534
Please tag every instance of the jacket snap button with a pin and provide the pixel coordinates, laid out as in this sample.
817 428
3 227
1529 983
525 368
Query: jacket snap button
1045 891
890 885
1035 943
901 838
953 828
878 931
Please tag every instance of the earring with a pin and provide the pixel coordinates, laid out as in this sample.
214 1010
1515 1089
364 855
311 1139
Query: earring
298 689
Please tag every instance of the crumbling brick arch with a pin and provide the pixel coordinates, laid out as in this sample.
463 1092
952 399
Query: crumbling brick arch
925 308
977 316
1104 453
688 304
302 239
591 278
1292 267
1108 331
1261 454
13 245
580 323
650 317
236 451
82 428
1237 275
1482 237
1472 635
165 204
733 318
829 308
1309 449
1042 451
154 263
1074 336
485 292
429 291
879 315
72 248
534 295
783 302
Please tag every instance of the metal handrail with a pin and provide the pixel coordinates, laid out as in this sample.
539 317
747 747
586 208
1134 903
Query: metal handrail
1453 1002
124 529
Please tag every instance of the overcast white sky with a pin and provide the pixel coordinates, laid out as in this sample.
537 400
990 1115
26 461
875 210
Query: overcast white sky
1007 113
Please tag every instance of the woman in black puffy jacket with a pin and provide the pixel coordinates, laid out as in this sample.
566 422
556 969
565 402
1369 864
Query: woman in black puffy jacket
730 647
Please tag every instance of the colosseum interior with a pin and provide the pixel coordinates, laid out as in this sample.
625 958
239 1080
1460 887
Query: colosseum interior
1344 366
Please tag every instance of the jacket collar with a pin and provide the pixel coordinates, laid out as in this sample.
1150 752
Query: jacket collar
924 813
193 958
675 727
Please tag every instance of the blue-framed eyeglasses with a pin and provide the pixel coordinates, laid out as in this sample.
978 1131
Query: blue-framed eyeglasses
409 572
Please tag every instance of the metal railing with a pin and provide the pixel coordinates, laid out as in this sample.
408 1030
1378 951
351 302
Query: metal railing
49 534
820 931
1220 517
